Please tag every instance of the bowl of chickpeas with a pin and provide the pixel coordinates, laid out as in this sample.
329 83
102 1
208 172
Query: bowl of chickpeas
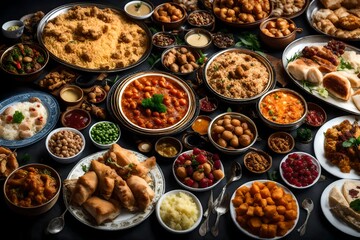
242 13
103 134
32 199
65 144
232 132
278 32
169 15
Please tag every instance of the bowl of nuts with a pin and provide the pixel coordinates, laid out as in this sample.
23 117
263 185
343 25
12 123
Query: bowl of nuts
65 144
257 161
201 19
162 40
232 133
278 32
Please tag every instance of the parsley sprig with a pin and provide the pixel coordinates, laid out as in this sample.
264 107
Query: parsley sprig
155 103
18 117
351 142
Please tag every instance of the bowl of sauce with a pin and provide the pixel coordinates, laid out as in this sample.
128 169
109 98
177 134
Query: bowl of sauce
168 147
316 115
77 118
208 104
198 38
71 95
201 124
139 9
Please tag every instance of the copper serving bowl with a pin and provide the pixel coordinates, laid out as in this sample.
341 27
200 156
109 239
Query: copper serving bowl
173 19
119 98
232 15
218 68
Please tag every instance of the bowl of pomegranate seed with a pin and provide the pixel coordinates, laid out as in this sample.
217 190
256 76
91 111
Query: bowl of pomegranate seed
198 170
300 170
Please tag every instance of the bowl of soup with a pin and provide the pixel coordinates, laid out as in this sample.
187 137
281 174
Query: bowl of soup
282 109
139 10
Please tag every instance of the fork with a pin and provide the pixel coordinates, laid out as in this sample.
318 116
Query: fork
220 210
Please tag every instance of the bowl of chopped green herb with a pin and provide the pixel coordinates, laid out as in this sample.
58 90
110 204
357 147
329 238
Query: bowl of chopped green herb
24 62
154 103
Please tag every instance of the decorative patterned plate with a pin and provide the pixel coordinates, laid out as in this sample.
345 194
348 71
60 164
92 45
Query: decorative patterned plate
126 219
53 110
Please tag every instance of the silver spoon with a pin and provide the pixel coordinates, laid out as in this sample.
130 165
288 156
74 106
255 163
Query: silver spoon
57 224
236 174
308 205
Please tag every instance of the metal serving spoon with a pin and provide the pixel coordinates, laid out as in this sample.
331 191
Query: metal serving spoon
236 174
308 205
57 224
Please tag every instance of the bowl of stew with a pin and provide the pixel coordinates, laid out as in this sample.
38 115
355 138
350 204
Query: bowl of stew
24 62
282 109
154 103
45 192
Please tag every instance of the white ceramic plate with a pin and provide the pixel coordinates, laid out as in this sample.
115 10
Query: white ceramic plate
325 207
191 188
317 40
53 110
320 151
233 213
125 219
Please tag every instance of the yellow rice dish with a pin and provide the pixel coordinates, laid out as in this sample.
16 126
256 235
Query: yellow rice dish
94 38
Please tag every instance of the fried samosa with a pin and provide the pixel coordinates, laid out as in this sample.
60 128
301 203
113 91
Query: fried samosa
84 188
124 194
102 210
106 176
141 190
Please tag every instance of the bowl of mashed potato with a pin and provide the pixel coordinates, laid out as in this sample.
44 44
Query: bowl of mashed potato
179 211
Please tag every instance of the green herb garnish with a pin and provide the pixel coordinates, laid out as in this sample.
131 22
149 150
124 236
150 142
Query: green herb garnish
304 134
355 205
294 57
272 175
153 59
18 117
351 142
138 5
202 58
155 103
344 65
85 168
320 90
249 41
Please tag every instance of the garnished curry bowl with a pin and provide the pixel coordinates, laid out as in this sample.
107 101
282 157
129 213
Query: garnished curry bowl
282 109
232 132
24 62
155 103
237 75
47 189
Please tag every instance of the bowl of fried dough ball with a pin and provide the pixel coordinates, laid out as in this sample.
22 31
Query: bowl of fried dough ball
169 15
232 132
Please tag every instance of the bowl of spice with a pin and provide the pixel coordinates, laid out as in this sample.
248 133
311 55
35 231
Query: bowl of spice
163 40
104 133
223 40
168 147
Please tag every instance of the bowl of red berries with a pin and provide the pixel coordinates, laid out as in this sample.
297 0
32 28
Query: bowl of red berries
300 170
198 170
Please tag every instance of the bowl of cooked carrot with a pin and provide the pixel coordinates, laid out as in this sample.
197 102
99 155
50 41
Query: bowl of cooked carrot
282 109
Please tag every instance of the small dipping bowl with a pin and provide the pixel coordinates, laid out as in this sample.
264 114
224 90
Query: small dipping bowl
168 147
208 105
162 40
71 95
223 40
13 29
281 142
316 115
201 124
257 161
77 118
198 38
139 10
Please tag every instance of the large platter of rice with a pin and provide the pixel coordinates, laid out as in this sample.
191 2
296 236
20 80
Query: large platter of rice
94 37
40 113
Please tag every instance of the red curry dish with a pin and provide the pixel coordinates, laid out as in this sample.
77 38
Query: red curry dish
175 102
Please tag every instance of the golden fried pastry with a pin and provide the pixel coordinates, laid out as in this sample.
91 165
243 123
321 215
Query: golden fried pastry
141 190
102 210
85 187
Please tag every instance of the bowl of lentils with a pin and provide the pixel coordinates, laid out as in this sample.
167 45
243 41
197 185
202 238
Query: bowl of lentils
104 133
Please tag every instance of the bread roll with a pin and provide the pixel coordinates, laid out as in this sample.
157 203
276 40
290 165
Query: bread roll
338 85
331 4
352 77
351 190
300 67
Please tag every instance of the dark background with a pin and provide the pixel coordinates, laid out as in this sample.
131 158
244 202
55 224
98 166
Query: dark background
21 227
